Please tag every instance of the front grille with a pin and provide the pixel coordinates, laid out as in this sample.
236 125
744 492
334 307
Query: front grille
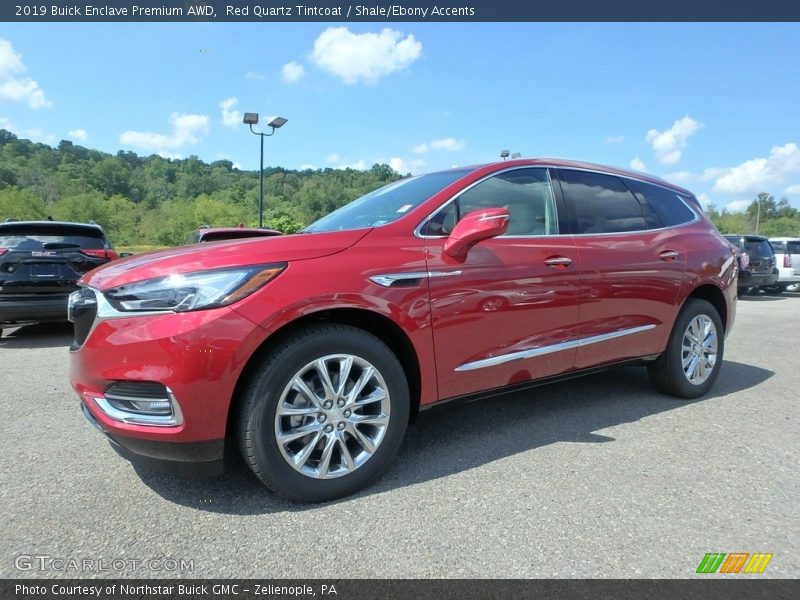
82 312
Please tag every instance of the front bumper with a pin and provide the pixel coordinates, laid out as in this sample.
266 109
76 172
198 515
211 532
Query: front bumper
198 356
33 309
199 459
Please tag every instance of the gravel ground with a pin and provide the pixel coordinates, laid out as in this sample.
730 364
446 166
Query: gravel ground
597 477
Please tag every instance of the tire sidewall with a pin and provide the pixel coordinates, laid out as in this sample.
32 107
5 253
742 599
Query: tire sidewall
693 308
265 392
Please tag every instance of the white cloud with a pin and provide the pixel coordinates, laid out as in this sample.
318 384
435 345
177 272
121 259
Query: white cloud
230 117
332 158
34 134
358 165
704 200
667 144
760 174
253 76
78 134
13 88
738 205
792 189
185 131
638 165
365 57
307 166
680 177
615 139
449 144
237 166
292 72
403 166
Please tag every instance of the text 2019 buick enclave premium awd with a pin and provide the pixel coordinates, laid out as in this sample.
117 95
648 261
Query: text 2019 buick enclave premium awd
310 352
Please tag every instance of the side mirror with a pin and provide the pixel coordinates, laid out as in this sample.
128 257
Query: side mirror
124 254
475 227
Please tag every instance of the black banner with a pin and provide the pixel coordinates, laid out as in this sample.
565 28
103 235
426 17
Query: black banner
732 588
392 11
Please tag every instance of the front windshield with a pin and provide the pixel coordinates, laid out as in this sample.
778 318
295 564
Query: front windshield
386 204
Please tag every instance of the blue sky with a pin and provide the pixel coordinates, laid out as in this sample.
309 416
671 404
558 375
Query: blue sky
713 107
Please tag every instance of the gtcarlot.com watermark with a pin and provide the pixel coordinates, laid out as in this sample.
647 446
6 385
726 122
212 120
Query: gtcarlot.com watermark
46 563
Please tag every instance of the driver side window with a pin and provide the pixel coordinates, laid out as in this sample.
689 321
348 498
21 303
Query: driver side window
526 193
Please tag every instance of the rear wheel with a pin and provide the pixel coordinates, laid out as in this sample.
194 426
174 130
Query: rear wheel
691 363
774 290
325 414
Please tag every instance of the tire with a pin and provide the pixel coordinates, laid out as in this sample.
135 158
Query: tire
357 452
667 372
774 290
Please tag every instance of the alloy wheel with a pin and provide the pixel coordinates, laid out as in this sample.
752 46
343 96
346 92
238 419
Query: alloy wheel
699 349
332 416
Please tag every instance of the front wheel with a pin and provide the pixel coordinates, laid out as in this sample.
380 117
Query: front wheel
325 413
691 363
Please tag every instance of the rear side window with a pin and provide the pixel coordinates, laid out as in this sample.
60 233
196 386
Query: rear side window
794 247
666 203
50 237
602 203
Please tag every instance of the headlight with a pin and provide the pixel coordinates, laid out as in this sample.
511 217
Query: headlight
192 291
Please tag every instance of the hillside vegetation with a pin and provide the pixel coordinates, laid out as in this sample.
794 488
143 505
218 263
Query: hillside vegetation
154 201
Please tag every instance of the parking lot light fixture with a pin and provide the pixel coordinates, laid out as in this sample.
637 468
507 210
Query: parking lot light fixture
274 123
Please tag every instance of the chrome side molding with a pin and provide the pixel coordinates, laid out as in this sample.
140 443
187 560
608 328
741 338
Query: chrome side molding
388 279
533 352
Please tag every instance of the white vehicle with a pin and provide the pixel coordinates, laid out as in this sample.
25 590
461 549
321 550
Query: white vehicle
787 259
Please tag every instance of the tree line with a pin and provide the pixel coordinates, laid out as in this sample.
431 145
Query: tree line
155 201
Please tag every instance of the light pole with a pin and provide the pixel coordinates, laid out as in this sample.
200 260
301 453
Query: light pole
276 123
761 197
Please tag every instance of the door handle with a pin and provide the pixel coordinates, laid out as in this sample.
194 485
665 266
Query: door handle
558 261
668 255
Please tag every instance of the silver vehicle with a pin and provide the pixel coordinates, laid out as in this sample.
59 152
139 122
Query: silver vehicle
787 259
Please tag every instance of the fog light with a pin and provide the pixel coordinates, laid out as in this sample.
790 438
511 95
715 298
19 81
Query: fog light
140 403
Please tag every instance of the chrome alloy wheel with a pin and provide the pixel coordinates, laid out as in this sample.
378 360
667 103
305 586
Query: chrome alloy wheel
699 349
332 416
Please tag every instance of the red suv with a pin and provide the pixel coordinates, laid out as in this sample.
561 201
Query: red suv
311 352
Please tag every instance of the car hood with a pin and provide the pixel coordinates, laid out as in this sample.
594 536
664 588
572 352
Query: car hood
219 255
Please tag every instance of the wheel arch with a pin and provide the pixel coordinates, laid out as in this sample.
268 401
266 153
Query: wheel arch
372 322
714 296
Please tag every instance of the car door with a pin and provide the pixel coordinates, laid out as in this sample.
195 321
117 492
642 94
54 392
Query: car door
507 312
630 274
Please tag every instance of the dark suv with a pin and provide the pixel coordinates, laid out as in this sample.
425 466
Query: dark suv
40 264
757 270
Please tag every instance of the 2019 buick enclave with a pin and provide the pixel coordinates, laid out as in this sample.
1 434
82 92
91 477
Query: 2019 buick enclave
311 352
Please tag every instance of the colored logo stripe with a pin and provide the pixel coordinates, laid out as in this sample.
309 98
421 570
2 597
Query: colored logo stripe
735 561
758 563
711 562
